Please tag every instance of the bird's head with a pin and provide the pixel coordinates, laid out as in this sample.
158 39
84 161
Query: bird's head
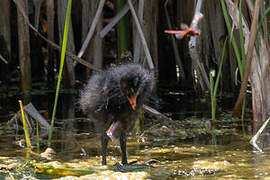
129 87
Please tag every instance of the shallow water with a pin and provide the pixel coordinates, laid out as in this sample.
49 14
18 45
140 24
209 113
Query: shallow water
185 150
231 157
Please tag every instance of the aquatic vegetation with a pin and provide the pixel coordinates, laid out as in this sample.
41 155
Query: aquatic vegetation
181 149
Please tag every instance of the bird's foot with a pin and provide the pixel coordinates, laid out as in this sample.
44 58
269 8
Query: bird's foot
132 162
130 166
151 161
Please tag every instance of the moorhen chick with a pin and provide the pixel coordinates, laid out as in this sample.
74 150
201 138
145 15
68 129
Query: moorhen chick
112 99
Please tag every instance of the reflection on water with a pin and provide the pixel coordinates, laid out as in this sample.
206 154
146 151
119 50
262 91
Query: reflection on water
231 158
184 150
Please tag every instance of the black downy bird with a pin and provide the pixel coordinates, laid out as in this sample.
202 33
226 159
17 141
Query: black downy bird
112 99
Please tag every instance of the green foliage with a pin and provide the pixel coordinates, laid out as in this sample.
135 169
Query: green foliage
234 44
27 137
242 41
241 60
214 85
37 136
63 52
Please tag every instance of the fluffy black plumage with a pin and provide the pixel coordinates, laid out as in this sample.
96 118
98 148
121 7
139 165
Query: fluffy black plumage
105 100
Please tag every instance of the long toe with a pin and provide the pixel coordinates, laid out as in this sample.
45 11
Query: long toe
132 162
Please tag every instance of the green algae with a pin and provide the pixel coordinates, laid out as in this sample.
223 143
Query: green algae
181 150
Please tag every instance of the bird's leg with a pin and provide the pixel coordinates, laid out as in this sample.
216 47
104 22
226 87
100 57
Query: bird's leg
104 143
123 146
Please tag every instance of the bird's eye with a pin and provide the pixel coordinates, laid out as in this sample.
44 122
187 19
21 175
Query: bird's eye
130 92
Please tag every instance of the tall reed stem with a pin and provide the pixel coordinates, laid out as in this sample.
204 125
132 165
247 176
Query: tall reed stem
63 52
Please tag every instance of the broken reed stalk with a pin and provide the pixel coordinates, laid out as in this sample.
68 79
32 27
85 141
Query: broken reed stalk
257 135
27 138
63 53
3 59
249 58
143 41
92 28
114 21
52 44
122 30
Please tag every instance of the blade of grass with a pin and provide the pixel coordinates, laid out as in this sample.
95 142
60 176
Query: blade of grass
63 52
220 66
241 33
243 56
27 138
37 137
214 85
213 98
234 44
144 61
